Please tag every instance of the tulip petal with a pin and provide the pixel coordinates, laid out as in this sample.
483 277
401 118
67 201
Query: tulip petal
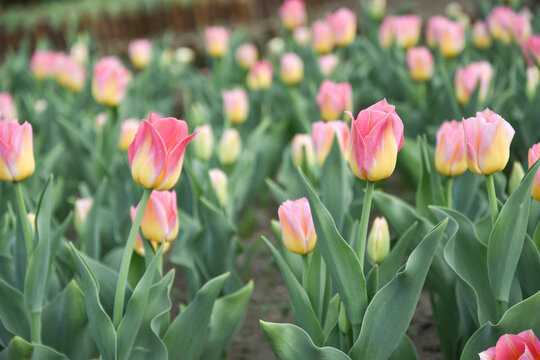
155 224
509 347
170 130
357 151
489 354
147 155
173 165
380 161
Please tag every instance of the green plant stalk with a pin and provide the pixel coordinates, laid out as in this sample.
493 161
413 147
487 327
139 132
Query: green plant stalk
306 260
126 259
364 222
35 327
492 198
449 184
25 223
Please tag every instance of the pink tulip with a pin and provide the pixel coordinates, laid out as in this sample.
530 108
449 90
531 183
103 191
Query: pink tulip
160 219
468 78
328 63
434 29
452 39
450 150
69 72
140 52
235 105
500 22
43 63
82 209
297 228
246 55
260 75
386 32
292 68
293 13
216 40
420 63
534 155
7 107
16 151
323 138
376 138
407 30
110 81
303 144
532 46
523 346
481 38
521 28
343 23
322 37
127 133
487 140
156 154
219 182
302 35
334 99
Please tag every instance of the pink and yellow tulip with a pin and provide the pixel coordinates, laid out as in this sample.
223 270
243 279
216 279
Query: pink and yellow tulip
334 99
82 209
219 183
297 228
246 55
292 68
452 39
407 30
139 246
534 155
434 29
235 105
110 81
523 346
532 46
322 37
160 218
293 13
323 138
343 23
42 63
140 53
216 41
16 151
500 22
468 78
79 52
420 63
480 35
302 35
260 75
69 72
302 145
328 63
450 150
7 107
127 133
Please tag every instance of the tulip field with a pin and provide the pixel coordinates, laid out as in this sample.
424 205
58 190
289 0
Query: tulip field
374 158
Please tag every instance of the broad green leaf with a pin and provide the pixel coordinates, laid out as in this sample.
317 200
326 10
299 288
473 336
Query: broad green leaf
317 283
372 280
13 312
528 268
429 190
19 349
289 342
391 310
391 265
405 350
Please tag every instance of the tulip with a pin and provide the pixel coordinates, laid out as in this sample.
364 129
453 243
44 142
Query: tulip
343 24
16 151
500 23
521 28
140 53
376 138
302 145
40 106
468 78
42 63
203 143
420 63
328 63
532 46
434 29
82 209
292 68
523 346
302 35
297 229
376 9
276 46
406 30
184 55
260 75
156 154
160 219
127 133
216 41
293 13
247 55
235 105
452 41
70 73
534 155
139 246
323 138
516 176
230 147
110 81
450 150
378 246
334 99
322 37
219 183
32 219
7 107
386 32
79 52
487 140
532 82
100 120
480 35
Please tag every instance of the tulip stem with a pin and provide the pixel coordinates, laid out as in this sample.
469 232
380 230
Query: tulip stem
126 259
306 261
25 223
492 198
35 328
364 221
449 193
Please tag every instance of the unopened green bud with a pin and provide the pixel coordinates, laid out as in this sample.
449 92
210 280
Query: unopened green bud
515 177
379 240
343 322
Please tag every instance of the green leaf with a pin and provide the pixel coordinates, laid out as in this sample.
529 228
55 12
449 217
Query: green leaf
19 349
289 342
101 326
341 261
529 263
13 312
185 337
391 310
300 303
405 350
91 243
372 280
507 237
429 189
391 265
280 195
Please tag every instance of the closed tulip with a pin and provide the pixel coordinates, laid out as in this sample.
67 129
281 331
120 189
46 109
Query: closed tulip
160 219
386 32
534 155
376 9
247 55
521 28
328 63
297 228
434 29
82 209
140 53
235 105
293 13
532 47
230 147
467 79
16 151
216 40
533 76
79 52
376 138
334 99
292 68
7 107
260 75
219 183
110 81
302 145
156 154
184 55
500 23
378 246
343 23
127 133
203 143
452 39
323 138
420 63
322 37
480 35
302 35
406 30
523 346
70 73
42 63
487 140
450 150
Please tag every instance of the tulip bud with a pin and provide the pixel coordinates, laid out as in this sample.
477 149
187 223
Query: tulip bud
32 219
534 155
452 41
302 35
532 47
7 107
292 68
323 138
532 82
69 73
79 52
406 30
246 55
160 219
260 75
434 29
293 13
276 46
450 151
303 150
516 176
100 120
521 28
235 105
378 246
184 55
16 151
334 99
42 63
203 143
376 138
328 63
140 53
82 209
480 34
40 106
376 9
322 38
386 32
139 246
127 133
343 24
468 78
219 183
230 147
487 139
500 22
110 80
216 41
297 228
420 63
343 320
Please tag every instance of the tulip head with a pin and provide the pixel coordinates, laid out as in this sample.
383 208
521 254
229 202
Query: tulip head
434 29
140 53
293 13
260 75
184 55
247 55
516 176
532 47
219 183
487 141
386 32
376 9
523 346
500 22
230 147
406 30
69 73
328 63
450 151
16 151
42 63
303 150
156 154
376 138
292 68
203 143
378 246
216 40
521 28
297 228
82 209
533 75
160 219
323 138
343 23
79 52
334 99
420 63
302 35
7 107
127 133
467 79
534 155
480 35
322 37
452 39
235 105
110 81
